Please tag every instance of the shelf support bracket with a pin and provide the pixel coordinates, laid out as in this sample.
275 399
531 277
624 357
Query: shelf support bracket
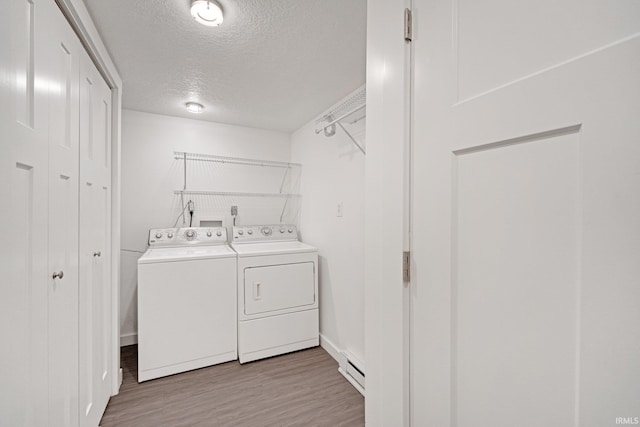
284 178
352 139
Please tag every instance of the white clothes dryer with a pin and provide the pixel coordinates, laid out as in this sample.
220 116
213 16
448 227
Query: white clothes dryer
277 291
186 301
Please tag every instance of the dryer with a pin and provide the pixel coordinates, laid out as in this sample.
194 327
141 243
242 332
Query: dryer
186 301
277 291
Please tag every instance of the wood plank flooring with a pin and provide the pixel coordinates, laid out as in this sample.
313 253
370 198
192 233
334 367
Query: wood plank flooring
297 389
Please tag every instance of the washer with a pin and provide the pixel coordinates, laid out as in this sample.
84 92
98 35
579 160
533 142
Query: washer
277 291
186 301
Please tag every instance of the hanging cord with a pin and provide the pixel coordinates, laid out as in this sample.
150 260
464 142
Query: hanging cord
234 214
188 204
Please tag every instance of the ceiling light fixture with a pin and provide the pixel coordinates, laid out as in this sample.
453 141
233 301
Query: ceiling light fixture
194 107
207 12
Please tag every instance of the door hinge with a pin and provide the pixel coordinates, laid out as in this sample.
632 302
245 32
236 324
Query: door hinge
408 25
406 266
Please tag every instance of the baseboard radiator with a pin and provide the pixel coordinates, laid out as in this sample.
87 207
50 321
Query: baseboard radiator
353 370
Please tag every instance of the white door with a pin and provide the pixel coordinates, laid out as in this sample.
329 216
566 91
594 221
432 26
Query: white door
39 120
62 75
24 177
95 227
526 213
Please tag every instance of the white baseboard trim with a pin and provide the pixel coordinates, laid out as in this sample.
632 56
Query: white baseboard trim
128 339
351 381
340 357
331 348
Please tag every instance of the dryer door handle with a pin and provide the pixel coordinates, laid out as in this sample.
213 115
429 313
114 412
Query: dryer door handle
256 290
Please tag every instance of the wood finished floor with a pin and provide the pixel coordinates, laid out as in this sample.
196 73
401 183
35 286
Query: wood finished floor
297 389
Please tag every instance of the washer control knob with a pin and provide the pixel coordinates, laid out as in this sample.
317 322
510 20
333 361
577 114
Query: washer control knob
290 230
249 231
282 230
209 233
266 231
158 235
190 234
170 235
240 232
219 233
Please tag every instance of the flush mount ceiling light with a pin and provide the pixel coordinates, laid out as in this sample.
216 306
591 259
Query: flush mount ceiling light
207 12
194 107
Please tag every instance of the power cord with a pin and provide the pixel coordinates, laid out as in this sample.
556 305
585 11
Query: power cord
181 214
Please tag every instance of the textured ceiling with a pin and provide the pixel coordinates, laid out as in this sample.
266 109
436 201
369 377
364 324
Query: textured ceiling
272 64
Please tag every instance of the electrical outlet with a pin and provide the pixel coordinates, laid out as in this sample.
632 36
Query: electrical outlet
339 209
234 210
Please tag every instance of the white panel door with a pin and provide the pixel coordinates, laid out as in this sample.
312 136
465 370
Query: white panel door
62 74
526 213
95 229
24 190
40 187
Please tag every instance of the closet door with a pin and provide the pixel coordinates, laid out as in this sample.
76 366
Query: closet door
26 278
95 229
62 74
39 118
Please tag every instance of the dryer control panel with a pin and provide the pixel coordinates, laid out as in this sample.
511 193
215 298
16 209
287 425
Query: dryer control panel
187 236
265 233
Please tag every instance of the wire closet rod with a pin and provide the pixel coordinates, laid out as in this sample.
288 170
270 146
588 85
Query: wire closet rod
179 155
334 121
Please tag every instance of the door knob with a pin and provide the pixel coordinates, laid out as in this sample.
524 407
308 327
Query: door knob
97 253
58 275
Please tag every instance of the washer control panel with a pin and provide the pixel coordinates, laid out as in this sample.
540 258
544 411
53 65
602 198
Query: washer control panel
187 236
262 233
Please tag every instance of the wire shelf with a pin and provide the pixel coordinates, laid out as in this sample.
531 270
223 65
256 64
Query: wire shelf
266 191
234 194
354 102
180 155
339 113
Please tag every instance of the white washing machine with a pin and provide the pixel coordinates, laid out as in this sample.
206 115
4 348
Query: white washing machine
277 291
186 301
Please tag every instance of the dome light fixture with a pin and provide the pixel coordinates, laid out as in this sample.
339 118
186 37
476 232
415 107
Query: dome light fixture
194 107
207 12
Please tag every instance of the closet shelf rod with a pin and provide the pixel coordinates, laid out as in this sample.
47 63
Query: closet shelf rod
340 118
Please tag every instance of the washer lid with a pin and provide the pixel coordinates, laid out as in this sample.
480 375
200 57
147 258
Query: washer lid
186 253
271 248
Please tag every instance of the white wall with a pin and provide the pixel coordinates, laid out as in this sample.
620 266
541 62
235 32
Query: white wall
332 173
150 174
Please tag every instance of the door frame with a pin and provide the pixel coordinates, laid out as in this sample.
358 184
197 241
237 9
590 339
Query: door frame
78 17
388 220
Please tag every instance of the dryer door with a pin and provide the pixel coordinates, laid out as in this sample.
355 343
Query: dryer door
278 287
